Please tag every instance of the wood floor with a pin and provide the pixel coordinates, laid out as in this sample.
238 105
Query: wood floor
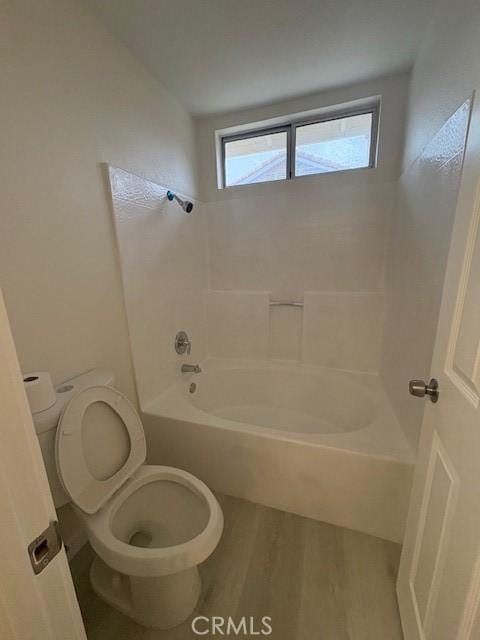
316 581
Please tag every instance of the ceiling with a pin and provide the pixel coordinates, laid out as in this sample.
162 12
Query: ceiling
224 55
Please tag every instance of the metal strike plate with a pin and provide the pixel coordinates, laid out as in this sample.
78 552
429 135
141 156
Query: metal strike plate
44 548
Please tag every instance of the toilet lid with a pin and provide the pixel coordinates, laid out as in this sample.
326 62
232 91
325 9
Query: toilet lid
100 443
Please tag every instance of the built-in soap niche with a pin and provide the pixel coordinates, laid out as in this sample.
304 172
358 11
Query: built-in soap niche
342 330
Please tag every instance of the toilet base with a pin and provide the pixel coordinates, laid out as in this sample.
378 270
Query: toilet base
158 603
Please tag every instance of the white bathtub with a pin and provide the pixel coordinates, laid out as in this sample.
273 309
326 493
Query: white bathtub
313 441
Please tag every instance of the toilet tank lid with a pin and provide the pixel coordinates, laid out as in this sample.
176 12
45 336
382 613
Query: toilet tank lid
48 420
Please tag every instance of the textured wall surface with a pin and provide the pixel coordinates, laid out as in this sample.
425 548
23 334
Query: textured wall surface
446 71
164 270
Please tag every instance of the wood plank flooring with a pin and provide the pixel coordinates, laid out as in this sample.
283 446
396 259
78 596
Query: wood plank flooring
316 581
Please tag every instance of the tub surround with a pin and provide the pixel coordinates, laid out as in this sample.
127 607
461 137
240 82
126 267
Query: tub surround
321 242
167 259
341 330
318 239
237 323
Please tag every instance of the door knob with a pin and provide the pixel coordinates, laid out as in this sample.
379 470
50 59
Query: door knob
420 389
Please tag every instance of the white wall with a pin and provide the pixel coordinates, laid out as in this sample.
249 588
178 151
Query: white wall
73 97
445 73
320 234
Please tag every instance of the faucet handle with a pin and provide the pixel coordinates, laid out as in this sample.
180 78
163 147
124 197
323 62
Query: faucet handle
182 343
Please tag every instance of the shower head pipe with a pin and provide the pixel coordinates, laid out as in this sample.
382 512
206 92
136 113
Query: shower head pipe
185 204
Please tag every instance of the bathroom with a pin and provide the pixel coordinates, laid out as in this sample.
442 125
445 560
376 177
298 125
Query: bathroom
231 234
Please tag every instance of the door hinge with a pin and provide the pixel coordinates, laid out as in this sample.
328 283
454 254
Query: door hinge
45 547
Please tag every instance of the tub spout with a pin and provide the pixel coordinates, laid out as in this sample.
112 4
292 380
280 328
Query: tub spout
191 368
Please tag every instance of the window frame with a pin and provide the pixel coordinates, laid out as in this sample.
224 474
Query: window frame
257 133
290 128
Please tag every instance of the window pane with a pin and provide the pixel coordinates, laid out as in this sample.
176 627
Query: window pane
256 159
334 145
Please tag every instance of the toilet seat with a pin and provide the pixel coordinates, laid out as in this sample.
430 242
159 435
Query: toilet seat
151 562
90 468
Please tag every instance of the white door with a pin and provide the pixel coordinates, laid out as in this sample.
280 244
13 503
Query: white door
33 606
439 580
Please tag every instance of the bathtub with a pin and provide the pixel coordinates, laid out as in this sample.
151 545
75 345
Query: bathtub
308 440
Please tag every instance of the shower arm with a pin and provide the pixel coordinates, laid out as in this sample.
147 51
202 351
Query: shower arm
186 205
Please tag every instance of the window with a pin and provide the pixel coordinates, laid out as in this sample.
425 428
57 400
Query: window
256 158
333 145
337 142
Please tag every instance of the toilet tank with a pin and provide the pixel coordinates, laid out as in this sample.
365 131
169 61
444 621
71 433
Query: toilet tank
46 423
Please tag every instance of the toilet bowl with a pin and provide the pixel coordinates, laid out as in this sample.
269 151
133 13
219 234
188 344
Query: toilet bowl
150 526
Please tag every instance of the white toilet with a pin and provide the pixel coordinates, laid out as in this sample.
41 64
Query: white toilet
149 525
